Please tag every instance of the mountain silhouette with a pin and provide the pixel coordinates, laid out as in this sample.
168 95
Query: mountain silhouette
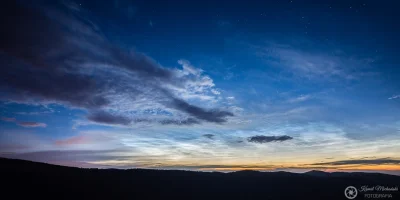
25 179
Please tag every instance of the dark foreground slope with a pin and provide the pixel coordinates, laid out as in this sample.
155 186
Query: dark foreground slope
30 180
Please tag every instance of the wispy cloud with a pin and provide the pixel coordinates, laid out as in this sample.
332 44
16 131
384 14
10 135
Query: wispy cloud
312 64
90 140
71 141
197 87
378 161
34 113
188 121
394 97
300 98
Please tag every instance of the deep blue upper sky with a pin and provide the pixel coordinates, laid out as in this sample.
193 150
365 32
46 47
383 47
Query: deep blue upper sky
201 84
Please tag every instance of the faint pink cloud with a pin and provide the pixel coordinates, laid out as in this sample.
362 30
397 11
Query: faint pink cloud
31 124
24 124
8 119
72 141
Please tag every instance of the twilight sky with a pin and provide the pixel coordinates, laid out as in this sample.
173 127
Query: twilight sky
202 85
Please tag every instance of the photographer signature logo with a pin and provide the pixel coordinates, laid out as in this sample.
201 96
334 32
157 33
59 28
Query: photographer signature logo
350 192
375 192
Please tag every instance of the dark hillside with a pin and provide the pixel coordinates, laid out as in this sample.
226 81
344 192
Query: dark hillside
25 179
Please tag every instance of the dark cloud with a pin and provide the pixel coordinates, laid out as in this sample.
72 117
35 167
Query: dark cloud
52 85
50 56
107 118
266 139
209 136
38 60
378 161
207 115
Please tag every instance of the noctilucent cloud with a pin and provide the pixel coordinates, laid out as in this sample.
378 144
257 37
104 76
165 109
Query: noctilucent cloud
202 85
